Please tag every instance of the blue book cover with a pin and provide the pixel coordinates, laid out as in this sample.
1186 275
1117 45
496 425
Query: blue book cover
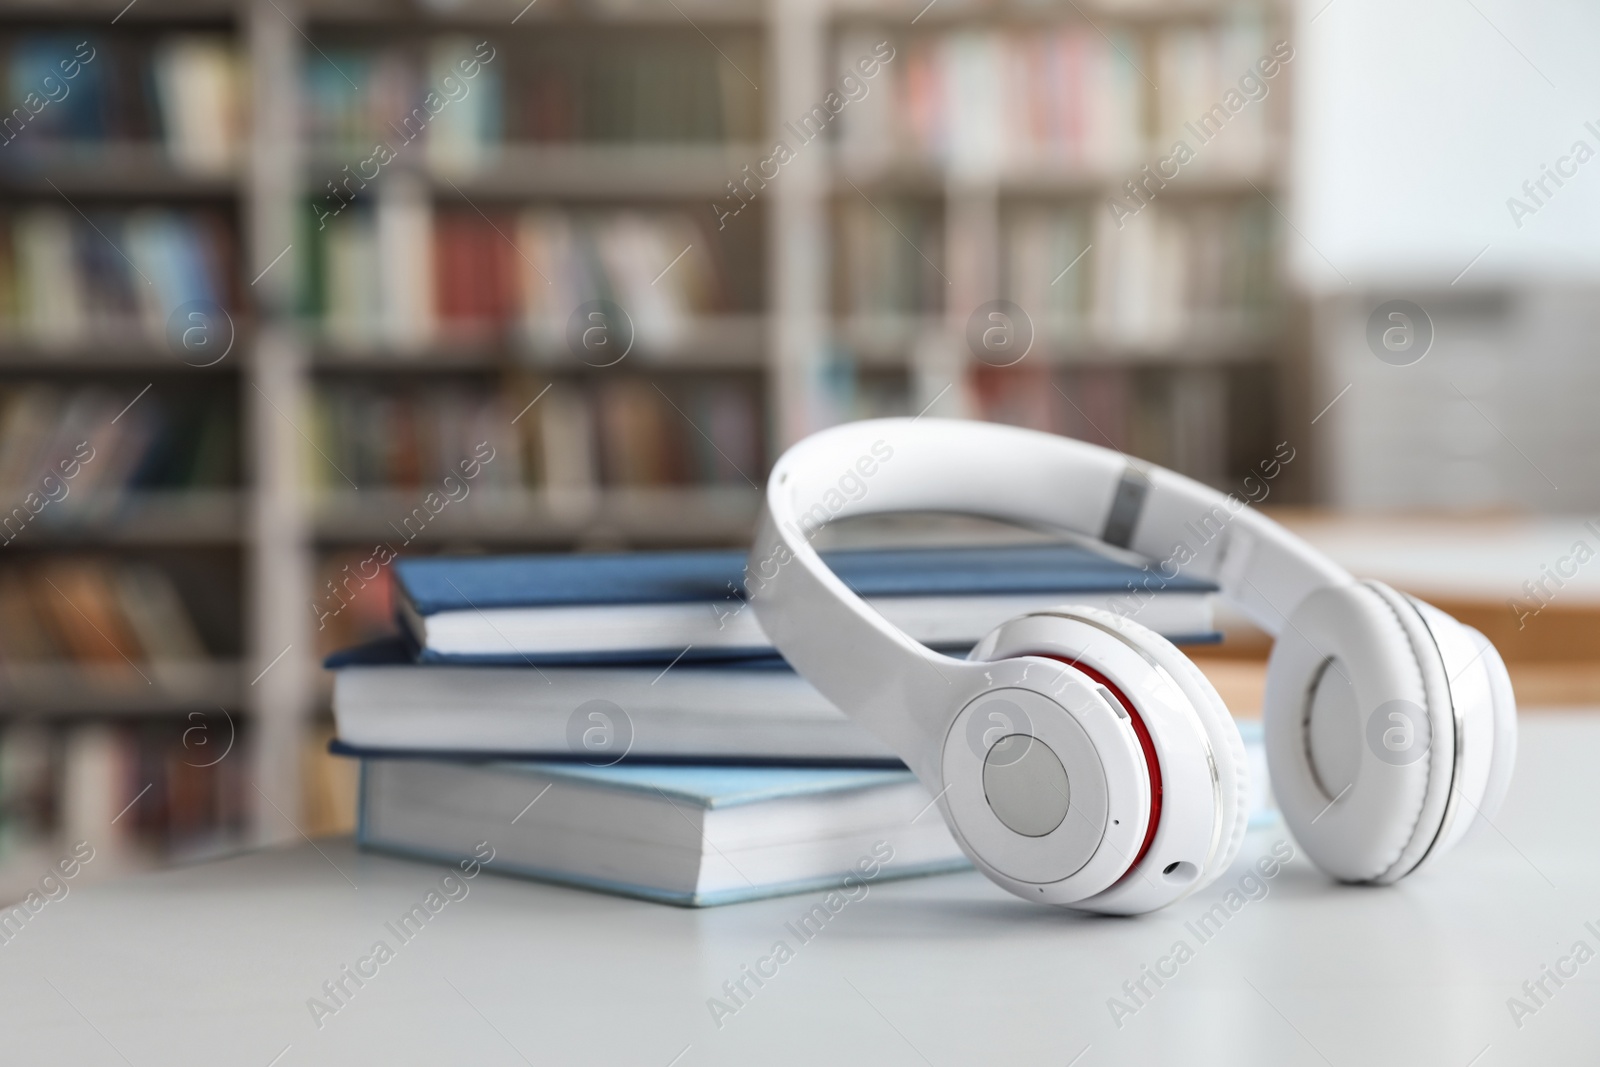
649 607
438 584
401 650
68 108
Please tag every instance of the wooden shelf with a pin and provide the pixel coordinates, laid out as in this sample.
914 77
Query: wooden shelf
928 176
1042 176
147 517
496 14
125 14
455 358
891 340
107 169
110 355
732 342
949 14
117 689
589 171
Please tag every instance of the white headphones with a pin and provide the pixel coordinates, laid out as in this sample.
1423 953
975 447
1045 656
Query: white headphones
1081 759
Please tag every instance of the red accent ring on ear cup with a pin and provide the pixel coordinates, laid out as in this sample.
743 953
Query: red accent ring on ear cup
1146 745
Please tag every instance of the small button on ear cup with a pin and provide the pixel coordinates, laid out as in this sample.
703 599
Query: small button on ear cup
1025 785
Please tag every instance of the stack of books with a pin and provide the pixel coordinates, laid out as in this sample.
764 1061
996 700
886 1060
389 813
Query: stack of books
621 722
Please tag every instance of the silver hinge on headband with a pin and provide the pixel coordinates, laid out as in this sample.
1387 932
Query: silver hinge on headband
1126 507
1237 553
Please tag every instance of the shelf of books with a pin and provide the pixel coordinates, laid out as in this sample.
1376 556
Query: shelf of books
471 278
1041 236
529 331
123 617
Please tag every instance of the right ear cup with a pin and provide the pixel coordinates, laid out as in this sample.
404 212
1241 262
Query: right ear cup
1389 727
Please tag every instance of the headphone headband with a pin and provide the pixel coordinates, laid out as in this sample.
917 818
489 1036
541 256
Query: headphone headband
863 663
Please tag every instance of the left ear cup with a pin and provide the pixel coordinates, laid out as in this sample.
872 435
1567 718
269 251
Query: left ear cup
1199 763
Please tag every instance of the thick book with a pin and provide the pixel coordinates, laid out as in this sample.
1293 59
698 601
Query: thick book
687 835
752 712
646 606
759 711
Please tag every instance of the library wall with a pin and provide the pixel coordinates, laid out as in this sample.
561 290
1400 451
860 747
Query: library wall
289 290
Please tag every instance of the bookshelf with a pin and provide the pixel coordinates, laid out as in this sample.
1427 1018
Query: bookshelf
391 312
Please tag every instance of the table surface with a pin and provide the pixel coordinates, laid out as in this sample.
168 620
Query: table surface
217 963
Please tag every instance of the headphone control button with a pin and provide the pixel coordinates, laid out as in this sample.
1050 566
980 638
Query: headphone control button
1025 785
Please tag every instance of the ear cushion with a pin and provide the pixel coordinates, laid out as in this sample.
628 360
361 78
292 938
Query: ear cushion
1504 705
1486 724
1360 732
1233 771
1221 732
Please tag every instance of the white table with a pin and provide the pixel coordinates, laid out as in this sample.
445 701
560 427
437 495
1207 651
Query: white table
215 964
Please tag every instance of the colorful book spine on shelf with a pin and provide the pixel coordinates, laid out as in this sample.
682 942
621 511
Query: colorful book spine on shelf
636 90
120 796
74 280
889 258
984 99
200 85
137 791
658 86
397 437
1190 418
1203 102
476 273
1066 96
633 432
1201 272
442 98
1045 269
184 91
87 610
92 448
402 273
572 436
465 77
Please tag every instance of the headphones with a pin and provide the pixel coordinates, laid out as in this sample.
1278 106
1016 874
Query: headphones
1078 757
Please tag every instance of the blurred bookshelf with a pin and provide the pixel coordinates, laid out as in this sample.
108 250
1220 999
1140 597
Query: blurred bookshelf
982 165
125 626
405 369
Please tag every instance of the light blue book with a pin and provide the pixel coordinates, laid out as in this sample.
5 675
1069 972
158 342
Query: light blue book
689 835
662 606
